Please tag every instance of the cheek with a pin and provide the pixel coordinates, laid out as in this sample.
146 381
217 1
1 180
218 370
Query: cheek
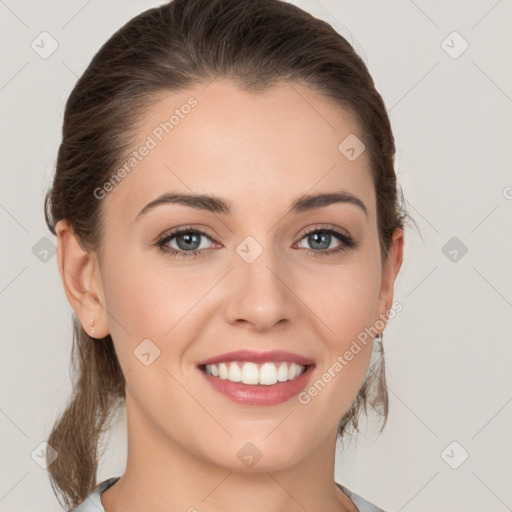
151 300
137 291
347 312
346 297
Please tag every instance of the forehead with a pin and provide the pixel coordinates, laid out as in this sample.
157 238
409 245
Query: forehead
253 148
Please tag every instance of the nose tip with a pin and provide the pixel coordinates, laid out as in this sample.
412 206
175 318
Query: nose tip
259 297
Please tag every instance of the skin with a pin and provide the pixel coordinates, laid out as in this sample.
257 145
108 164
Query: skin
260 152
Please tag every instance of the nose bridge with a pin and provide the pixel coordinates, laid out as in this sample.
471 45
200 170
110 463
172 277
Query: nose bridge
259 292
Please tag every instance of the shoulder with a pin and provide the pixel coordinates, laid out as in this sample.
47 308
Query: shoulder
93 503
361 504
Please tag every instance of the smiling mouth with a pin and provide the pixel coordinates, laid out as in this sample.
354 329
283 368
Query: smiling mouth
266 374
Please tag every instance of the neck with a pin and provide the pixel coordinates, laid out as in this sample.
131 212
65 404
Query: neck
162 476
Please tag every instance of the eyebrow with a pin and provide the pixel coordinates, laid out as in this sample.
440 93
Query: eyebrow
215 204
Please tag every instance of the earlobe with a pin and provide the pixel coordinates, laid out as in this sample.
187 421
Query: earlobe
82 281
390 271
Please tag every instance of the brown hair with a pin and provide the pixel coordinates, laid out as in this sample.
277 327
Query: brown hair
256 43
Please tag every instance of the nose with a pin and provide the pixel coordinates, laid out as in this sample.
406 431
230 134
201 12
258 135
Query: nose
260 294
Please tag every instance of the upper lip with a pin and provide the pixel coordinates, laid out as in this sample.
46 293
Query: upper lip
258 357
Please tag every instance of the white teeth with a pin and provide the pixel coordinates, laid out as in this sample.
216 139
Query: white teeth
282 372
250 373
268 374
223 371
234 373
293 371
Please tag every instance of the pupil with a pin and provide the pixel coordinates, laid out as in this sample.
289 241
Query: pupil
314 239
189 238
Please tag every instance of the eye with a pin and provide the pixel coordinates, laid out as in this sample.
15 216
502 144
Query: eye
187 242
321 239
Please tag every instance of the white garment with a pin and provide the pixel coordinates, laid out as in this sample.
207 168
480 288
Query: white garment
93 503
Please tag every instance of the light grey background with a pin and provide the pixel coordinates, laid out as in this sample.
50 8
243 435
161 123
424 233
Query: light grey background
449 350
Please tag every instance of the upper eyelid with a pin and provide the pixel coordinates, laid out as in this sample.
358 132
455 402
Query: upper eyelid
169 235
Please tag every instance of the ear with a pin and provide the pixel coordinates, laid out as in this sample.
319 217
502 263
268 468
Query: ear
390 270
79 271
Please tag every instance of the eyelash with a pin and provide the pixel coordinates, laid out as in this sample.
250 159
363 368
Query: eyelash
347 242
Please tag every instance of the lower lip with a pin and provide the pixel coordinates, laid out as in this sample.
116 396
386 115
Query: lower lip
258 394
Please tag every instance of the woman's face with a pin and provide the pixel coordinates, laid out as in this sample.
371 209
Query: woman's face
261 277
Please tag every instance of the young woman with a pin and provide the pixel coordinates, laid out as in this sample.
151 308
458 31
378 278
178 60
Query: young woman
229 232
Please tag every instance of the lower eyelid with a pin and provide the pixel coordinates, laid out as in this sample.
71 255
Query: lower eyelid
162 242
345 242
